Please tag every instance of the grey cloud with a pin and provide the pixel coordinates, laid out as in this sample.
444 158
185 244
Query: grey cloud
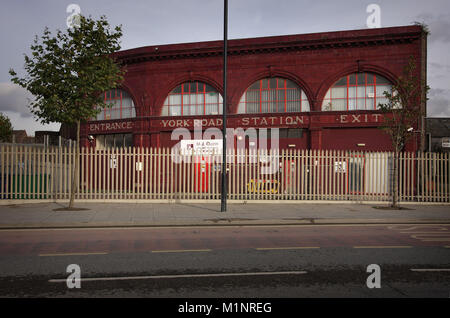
438 92
439 26
438 74
153 22
438 104
439 66
29 124
14 98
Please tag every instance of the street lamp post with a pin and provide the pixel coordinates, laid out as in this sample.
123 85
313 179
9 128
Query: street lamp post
223 203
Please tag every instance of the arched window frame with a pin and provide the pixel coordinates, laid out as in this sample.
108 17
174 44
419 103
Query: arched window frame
371 82
124 111
275 86
190 93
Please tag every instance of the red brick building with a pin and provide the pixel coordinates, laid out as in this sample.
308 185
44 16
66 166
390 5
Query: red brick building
320 89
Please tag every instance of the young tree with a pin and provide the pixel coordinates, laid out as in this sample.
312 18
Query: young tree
68 72
5 128
402 112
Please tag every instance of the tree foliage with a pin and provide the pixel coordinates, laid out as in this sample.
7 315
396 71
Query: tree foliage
66 73
5 128
403 111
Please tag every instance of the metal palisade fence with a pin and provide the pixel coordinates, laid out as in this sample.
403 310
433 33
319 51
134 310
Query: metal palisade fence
139 174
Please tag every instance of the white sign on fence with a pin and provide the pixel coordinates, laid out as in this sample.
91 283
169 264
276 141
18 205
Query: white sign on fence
339 167
113 162
201 146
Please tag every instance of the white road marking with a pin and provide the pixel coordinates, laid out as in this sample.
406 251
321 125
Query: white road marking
287 248
432 237
180 251
182 276
72 254
419 227
425 233
382 246
430 269
435 239
435 233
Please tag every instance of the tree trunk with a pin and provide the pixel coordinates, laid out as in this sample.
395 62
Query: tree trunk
75 168
394 202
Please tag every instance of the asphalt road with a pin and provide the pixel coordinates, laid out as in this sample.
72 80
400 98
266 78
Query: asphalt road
228 261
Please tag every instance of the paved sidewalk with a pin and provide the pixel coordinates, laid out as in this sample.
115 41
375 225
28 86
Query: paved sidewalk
42 215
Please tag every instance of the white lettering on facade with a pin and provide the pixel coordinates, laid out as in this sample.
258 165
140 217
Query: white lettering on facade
359 118
110 126
356 119
376 117
299 119
289 120
245 121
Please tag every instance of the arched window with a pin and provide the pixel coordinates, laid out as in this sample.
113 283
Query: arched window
273 95
122 105
193 98
358 91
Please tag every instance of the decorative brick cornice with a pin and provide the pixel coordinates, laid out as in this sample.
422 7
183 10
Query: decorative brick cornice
268 45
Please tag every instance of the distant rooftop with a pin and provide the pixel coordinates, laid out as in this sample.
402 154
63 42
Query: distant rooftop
438 127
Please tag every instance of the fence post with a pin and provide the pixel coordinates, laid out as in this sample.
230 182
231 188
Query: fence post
2 171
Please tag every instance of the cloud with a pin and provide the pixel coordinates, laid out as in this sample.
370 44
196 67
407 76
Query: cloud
439 67
15 99
438 104
437 91
29 123
439 26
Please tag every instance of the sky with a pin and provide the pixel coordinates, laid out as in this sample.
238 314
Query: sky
156 22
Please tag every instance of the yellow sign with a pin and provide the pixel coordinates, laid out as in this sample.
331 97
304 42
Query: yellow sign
263 186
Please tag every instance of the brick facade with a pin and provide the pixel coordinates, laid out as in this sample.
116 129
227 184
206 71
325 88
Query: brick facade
313 61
